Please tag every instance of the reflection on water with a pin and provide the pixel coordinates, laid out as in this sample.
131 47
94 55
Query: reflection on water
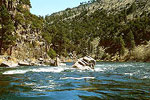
109 81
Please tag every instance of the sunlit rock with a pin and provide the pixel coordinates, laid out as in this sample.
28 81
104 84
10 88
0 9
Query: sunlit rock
24 63
85 63
9 64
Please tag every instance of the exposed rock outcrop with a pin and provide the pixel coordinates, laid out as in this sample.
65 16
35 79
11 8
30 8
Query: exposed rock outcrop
6 61
24 63
85 63
29 43
9 64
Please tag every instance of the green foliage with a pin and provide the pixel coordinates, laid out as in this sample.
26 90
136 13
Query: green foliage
6 36
52 53
20 8
19 19
26 2
25 18
22 17
115 31
71 30
130 39
47 37
122 46
37 22
132 8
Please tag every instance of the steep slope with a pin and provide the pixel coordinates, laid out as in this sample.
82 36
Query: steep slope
104 29
111 6
24 40
113 27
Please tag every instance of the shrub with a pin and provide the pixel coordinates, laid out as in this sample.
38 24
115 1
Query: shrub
141 52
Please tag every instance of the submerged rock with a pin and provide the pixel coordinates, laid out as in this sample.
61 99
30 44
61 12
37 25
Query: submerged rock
85 63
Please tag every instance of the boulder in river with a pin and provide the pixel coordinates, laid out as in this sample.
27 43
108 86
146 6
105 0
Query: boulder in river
85 63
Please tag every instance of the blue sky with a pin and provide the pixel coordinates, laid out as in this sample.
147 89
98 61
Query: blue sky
44 7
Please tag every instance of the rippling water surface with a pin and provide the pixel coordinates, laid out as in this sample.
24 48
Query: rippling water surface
109 81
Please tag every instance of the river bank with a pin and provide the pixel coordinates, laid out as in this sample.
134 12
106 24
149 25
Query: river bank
140 53
8 61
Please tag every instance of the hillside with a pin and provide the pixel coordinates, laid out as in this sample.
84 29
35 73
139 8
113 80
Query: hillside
104 29
109 30
20 31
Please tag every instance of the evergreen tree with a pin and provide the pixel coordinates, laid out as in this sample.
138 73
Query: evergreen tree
130 39
122 46
113 29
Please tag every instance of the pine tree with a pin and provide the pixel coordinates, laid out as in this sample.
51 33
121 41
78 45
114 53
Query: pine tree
131 42
122 46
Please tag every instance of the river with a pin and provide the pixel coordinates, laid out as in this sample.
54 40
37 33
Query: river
109 81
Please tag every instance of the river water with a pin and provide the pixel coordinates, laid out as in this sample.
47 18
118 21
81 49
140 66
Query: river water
109 81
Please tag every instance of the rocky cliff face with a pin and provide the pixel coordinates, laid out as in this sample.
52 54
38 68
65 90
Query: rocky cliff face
29 43
12 5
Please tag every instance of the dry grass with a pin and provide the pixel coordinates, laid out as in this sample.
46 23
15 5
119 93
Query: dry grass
141 52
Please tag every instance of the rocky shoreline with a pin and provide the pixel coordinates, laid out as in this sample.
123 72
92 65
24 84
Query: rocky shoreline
8 61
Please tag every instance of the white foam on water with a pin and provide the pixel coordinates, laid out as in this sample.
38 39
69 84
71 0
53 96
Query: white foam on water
52 69
146 77
100 65
100 69
38 90
130 74
126 65
30 84
46 69
78 78
40 87
114 65
15 72
45 87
